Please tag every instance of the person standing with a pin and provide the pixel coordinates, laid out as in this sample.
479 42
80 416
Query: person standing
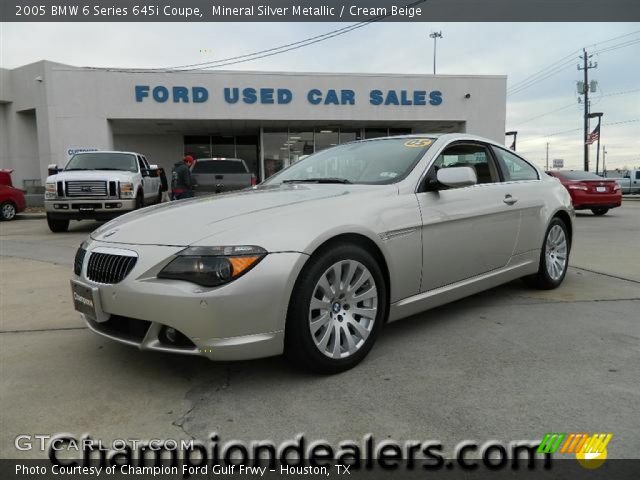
164 185
181 181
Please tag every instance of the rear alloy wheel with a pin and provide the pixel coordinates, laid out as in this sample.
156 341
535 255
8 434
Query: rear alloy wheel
7 211
554 257
599 211
57 225
337 308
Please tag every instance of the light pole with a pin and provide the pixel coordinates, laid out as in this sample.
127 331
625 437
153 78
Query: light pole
515 135
435 36
597 115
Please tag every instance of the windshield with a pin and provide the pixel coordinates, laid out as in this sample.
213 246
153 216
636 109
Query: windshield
102 161
579 175
370 162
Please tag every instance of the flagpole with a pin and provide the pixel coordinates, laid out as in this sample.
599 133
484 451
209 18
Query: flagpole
596 132
598 148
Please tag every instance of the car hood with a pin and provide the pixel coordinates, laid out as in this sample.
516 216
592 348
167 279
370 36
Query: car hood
186 222
105 175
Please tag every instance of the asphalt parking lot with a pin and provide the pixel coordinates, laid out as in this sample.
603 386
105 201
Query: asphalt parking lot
507 364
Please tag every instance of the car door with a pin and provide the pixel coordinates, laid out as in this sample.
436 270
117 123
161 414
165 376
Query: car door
466 231
153 181
522 181
144 172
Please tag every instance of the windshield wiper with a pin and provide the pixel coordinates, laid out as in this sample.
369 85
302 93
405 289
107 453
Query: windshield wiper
107 168
318 180
74 169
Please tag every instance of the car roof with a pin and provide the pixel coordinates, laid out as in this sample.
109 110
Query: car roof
219 158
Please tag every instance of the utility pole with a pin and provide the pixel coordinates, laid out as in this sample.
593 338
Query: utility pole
587 65
435 36
547 169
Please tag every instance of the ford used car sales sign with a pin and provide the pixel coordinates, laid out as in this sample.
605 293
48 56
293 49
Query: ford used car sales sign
284 96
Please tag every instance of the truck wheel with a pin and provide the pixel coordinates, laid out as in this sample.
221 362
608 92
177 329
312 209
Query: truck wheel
139 201
7 211
57 225
599 211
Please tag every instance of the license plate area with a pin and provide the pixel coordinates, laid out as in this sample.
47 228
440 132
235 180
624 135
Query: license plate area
86 300
601 189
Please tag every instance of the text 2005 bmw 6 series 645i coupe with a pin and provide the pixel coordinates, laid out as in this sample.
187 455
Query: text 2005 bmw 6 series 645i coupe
315 260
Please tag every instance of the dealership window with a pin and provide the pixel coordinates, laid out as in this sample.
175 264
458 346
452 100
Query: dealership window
300 145
198 146
513 167
326 138
375 132
275 150
399 131
223 146
247 150
350 135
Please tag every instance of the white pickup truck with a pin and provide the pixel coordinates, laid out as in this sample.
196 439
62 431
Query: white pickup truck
100 186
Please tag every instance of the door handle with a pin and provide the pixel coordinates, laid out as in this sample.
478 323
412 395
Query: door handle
509 200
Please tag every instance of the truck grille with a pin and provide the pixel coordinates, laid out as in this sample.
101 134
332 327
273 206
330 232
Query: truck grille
87 188
78 261
108 268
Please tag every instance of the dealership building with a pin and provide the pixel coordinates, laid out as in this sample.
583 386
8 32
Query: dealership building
49 111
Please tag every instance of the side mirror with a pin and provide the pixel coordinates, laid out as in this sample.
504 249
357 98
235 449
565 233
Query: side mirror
457 176
52 169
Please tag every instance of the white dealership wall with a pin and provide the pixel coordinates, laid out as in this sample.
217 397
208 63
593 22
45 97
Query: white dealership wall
47 108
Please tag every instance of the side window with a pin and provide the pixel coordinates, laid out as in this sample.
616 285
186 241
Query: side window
140 163
638 175
513 167
144 161
467 155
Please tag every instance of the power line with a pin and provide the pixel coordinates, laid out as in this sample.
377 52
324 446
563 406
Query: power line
271 51
613 94
610 124
563 64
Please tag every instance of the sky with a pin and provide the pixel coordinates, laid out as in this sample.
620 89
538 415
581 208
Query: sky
547 110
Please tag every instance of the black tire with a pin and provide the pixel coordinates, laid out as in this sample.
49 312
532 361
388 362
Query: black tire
8 211
57 225
542 280
139 201
599 211
300 347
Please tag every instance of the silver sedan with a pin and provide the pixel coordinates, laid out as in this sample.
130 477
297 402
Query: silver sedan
318 258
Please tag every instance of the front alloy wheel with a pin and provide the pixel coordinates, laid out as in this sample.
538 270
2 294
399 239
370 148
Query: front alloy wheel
337 308
343 309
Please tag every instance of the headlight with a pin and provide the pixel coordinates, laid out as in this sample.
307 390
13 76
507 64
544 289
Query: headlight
50 190
213 266
126 190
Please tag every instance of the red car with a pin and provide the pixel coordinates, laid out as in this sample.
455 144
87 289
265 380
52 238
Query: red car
11 199
590 191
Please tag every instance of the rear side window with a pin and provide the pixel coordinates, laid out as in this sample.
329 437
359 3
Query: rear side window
513 167
638 175
219 166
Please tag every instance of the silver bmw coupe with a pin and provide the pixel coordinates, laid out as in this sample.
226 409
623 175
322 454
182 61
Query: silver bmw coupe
313 262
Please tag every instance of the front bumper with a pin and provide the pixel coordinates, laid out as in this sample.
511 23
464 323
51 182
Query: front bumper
241 320
81 209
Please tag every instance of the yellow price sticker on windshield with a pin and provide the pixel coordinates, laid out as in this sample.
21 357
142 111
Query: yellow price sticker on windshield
418 142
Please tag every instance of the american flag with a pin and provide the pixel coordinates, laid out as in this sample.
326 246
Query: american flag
593 136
